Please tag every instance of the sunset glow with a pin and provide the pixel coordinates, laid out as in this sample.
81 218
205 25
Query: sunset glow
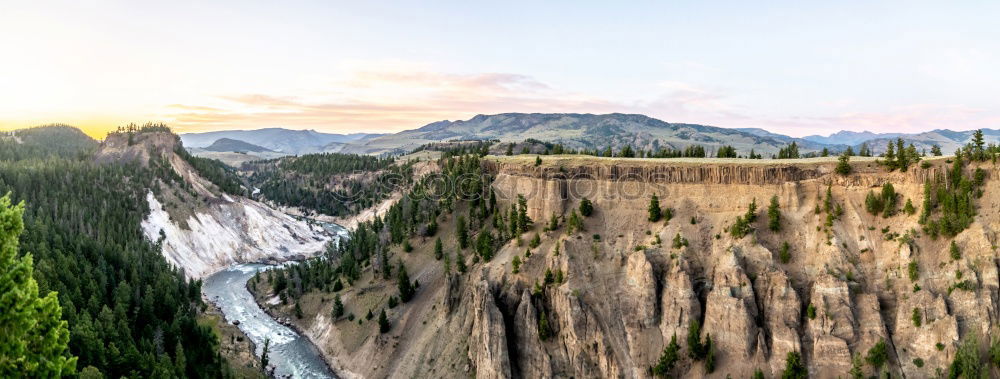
358 67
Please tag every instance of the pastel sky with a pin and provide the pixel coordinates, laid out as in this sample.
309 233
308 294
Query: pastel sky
792 67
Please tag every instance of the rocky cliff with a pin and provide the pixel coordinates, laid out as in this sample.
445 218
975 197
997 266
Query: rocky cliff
829 289
200 228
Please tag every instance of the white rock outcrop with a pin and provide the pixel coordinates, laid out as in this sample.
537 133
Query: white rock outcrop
237 231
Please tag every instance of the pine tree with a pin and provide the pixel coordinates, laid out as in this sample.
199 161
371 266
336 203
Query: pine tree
574 224
678 242
553 223
669 358
843 165
438 249
978 152
586 207
264 360
462 233
406 289
383 322
784 254
338 307
865 151
774 215
180 360
695 349
890 156
523 221
888 200
902 160
655 213
794 367
877 355
34 338
386 266
544 330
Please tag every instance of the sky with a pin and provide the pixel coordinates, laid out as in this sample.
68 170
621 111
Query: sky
791 67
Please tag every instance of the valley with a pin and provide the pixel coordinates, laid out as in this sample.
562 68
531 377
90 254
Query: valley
354 190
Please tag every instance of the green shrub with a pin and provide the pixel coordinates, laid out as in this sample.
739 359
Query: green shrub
878 354
784 254
669 358
586 207
914 271
794 367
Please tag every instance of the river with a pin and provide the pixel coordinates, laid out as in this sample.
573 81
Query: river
291 354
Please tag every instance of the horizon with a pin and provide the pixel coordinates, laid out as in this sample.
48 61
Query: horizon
103 133
813 69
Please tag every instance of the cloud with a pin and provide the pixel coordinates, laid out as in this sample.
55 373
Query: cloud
194 108
389 100
394 99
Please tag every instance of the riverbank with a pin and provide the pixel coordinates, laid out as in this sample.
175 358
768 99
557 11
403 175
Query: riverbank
337 370
290 354
234 346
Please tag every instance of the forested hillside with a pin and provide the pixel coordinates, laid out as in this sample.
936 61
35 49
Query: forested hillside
129 312
330 184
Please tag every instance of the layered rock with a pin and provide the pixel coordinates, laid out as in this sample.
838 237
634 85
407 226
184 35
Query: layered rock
937 326
831 329
730 311
532 358
679 303
488 338
782 308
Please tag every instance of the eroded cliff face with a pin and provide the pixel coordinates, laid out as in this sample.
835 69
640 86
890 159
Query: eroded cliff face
626 290
238 230
201 229
755 308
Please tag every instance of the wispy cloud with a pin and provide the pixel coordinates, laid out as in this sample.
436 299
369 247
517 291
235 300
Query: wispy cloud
393 99
388 101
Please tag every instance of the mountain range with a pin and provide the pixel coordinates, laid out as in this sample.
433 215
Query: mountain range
281 140
573 130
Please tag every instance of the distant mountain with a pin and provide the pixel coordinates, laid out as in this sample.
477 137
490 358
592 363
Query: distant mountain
850 138
57 140
802 142
573 130
229 144
947 140
277 139
579 131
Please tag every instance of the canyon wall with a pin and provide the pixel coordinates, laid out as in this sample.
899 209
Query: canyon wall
605 301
